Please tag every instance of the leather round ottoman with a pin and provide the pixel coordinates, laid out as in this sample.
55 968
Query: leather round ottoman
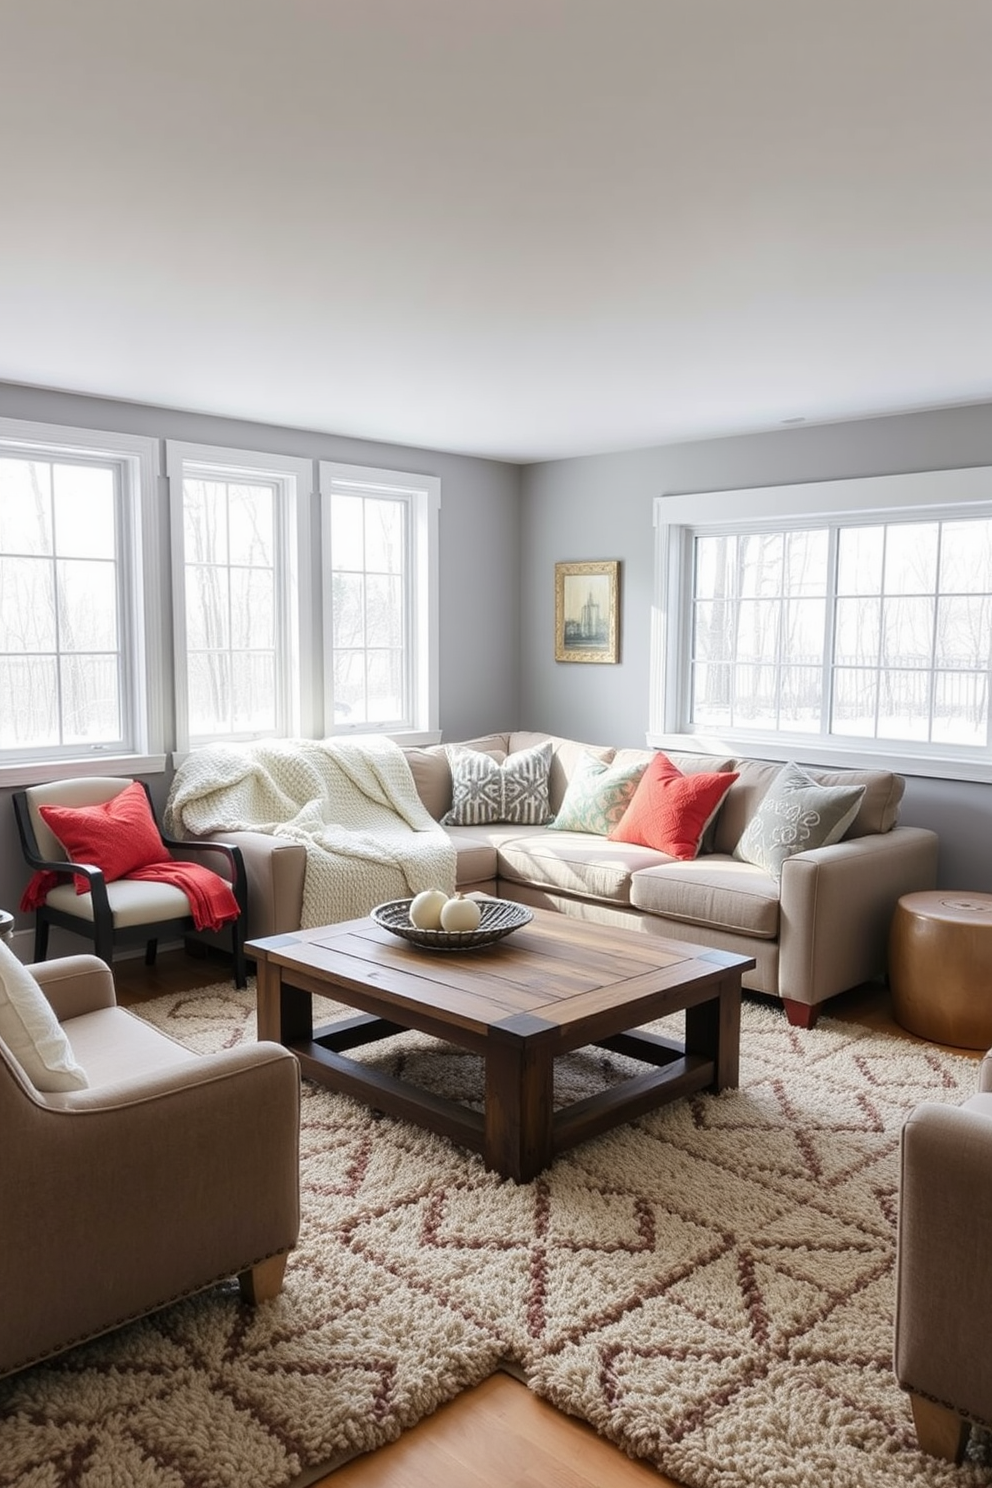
940 967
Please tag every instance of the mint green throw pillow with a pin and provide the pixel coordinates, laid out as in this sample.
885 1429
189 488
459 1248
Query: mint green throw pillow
597 796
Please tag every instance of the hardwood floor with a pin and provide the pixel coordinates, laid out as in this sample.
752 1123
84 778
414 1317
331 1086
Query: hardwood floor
498 1435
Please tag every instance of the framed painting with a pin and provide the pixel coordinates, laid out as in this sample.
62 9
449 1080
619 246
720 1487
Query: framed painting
587 611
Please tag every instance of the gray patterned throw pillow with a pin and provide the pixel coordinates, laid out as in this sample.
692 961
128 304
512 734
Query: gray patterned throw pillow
795 815
484 790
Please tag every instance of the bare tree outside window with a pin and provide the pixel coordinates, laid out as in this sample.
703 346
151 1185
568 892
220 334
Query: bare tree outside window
874 631
61 658
369 547
229 539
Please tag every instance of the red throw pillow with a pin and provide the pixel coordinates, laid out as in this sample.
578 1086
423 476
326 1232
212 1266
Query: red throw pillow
118 835
670 811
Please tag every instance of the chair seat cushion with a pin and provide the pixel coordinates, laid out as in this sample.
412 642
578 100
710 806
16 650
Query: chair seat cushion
112 1044
132 902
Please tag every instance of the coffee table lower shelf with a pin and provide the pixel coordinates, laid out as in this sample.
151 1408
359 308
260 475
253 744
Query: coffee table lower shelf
674 1074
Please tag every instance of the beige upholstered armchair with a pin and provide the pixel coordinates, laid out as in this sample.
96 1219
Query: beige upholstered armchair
166 1172
943 1355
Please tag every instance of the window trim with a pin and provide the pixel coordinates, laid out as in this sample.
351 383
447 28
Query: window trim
145 632
423 493
293 475
942 494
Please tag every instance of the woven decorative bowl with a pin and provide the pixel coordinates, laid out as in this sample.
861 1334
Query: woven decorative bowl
499 917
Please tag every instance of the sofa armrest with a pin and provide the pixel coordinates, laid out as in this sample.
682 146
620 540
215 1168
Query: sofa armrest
836 908
943 1280
274 869
75 984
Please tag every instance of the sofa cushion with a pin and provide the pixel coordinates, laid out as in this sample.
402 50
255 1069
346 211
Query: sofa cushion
486 790
432 773
565 756
714 891
878 811
598 794
575 862
671 811
879 807
795 815
475 855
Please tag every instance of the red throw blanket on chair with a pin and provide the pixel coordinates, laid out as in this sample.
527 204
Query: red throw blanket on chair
211 902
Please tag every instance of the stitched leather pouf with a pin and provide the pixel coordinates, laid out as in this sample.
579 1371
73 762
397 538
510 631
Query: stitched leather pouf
940 967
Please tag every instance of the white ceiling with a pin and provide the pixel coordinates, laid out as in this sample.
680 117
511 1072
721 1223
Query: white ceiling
519 228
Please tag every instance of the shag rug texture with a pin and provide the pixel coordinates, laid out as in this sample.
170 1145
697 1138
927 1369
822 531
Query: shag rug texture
711 1286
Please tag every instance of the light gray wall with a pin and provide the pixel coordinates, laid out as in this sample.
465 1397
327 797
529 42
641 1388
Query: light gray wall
601 507
479 547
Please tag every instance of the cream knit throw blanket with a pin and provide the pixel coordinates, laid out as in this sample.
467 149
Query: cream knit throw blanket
352 803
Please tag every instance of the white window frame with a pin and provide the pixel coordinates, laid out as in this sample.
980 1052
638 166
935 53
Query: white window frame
422 494
143 633
942 494
296 707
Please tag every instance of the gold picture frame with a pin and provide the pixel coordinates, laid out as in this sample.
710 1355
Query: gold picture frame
587 611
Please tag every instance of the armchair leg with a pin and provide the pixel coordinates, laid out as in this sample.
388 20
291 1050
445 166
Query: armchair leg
103 942
263 1282
40 938
151 950
238 942
940 1431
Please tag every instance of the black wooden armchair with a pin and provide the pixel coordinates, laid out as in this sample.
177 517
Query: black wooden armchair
124 910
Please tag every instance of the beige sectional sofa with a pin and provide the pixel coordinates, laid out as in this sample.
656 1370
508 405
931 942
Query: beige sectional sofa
820 930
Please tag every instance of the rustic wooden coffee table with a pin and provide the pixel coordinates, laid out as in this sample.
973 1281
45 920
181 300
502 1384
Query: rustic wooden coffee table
555 985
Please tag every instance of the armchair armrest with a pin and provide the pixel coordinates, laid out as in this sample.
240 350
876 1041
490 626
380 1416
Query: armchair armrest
200 1073
75 984
231 865
89 871
943 1280
985 1073
836 908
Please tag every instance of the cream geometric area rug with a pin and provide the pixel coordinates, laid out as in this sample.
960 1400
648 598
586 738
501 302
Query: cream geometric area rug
711 1286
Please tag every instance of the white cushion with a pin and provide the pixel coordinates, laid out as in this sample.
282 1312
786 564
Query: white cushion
31 1031
133 901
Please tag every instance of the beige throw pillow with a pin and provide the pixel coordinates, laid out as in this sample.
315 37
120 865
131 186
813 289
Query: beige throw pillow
31 1031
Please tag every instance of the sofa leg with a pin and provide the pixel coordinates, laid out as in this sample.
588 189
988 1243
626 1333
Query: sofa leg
940 1431
263 1282
801 1014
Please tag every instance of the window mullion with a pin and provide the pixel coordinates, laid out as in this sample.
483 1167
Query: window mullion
829 632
